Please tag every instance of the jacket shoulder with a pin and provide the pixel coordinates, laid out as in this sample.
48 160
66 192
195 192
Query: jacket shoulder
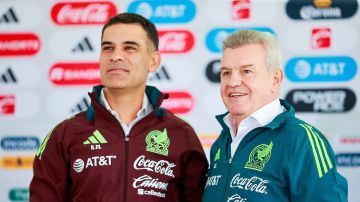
178 121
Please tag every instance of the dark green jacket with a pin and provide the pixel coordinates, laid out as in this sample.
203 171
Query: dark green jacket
286 160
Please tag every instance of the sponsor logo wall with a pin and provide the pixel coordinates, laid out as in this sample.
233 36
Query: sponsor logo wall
49 61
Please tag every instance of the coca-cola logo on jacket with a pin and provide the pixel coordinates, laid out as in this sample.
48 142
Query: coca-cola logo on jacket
21 44
179 102
82 13
75 74
175 41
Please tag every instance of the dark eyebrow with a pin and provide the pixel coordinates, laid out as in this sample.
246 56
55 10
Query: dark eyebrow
131 43
106 43
125 42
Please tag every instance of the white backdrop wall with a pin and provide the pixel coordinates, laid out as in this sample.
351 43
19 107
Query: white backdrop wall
49 61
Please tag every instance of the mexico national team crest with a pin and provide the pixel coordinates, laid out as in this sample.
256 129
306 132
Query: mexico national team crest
158 142
259 156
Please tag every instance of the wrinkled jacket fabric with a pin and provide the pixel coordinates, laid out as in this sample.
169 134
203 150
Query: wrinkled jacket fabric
286 160
88 158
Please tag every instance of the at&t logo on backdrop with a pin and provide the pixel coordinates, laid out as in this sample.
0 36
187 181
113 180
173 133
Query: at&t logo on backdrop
162 11
215 37
321 69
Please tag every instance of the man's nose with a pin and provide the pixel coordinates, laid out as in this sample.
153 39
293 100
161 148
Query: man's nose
235 80
117 55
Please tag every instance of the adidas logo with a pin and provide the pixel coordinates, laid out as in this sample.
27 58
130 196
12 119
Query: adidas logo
9 17
83 105
83 46
8 77
95 138
160 75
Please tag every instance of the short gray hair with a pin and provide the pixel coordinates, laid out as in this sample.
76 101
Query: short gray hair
268 41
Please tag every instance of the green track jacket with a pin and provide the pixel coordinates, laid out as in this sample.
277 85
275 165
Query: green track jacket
286 160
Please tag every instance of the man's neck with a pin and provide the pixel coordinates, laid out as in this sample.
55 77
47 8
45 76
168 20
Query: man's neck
236 120
126 104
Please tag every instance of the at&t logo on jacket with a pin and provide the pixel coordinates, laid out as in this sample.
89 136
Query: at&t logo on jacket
94 161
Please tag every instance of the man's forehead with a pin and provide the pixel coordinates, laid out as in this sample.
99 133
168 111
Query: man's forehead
125 30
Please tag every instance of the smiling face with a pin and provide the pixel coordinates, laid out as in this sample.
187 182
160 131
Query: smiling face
126 57
246 83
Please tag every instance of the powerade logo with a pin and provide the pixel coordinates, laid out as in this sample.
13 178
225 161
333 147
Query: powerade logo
320 69
19 194
321 9
20 143
162 11
215 37
213 71
348 160
322 100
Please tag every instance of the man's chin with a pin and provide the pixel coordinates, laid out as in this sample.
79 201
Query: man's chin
115 85
238 111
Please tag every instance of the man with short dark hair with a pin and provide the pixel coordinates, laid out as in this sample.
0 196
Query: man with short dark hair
264 153
125 147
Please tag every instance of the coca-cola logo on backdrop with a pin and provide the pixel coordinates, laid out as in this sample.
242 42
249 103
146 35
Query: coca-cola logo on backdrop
175 41
82 13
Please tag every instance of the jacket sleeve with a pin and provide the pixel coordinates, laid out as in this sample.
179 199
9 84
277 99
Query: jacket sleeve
194 166
312 172
49 182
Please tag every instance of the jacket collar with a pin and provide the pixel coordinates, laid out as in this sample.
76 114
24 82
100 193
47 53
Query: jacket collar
276 122
154 95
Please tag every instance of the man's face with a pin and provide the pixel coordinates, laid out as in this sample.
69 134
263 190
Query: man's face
126 58
246 83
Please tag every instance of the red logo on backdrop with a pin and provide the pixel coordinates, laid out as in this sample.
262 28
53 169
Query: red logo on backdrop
175 41
240 9
15 44
85 13
179 102
350 140
7 104
320 38
75 74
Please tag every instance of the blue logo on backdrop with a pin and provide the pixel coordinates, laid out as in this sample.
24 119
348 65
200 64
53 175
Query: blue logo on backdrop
320 69
348 160
20 143
162 11
215 37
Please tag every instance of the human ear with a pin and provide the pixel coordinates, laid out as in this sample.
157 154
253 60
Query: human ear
278 76
155 61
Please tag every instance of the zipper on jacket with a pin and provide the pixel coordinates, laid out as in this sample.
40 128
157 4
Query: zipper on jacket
227 177
126 167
